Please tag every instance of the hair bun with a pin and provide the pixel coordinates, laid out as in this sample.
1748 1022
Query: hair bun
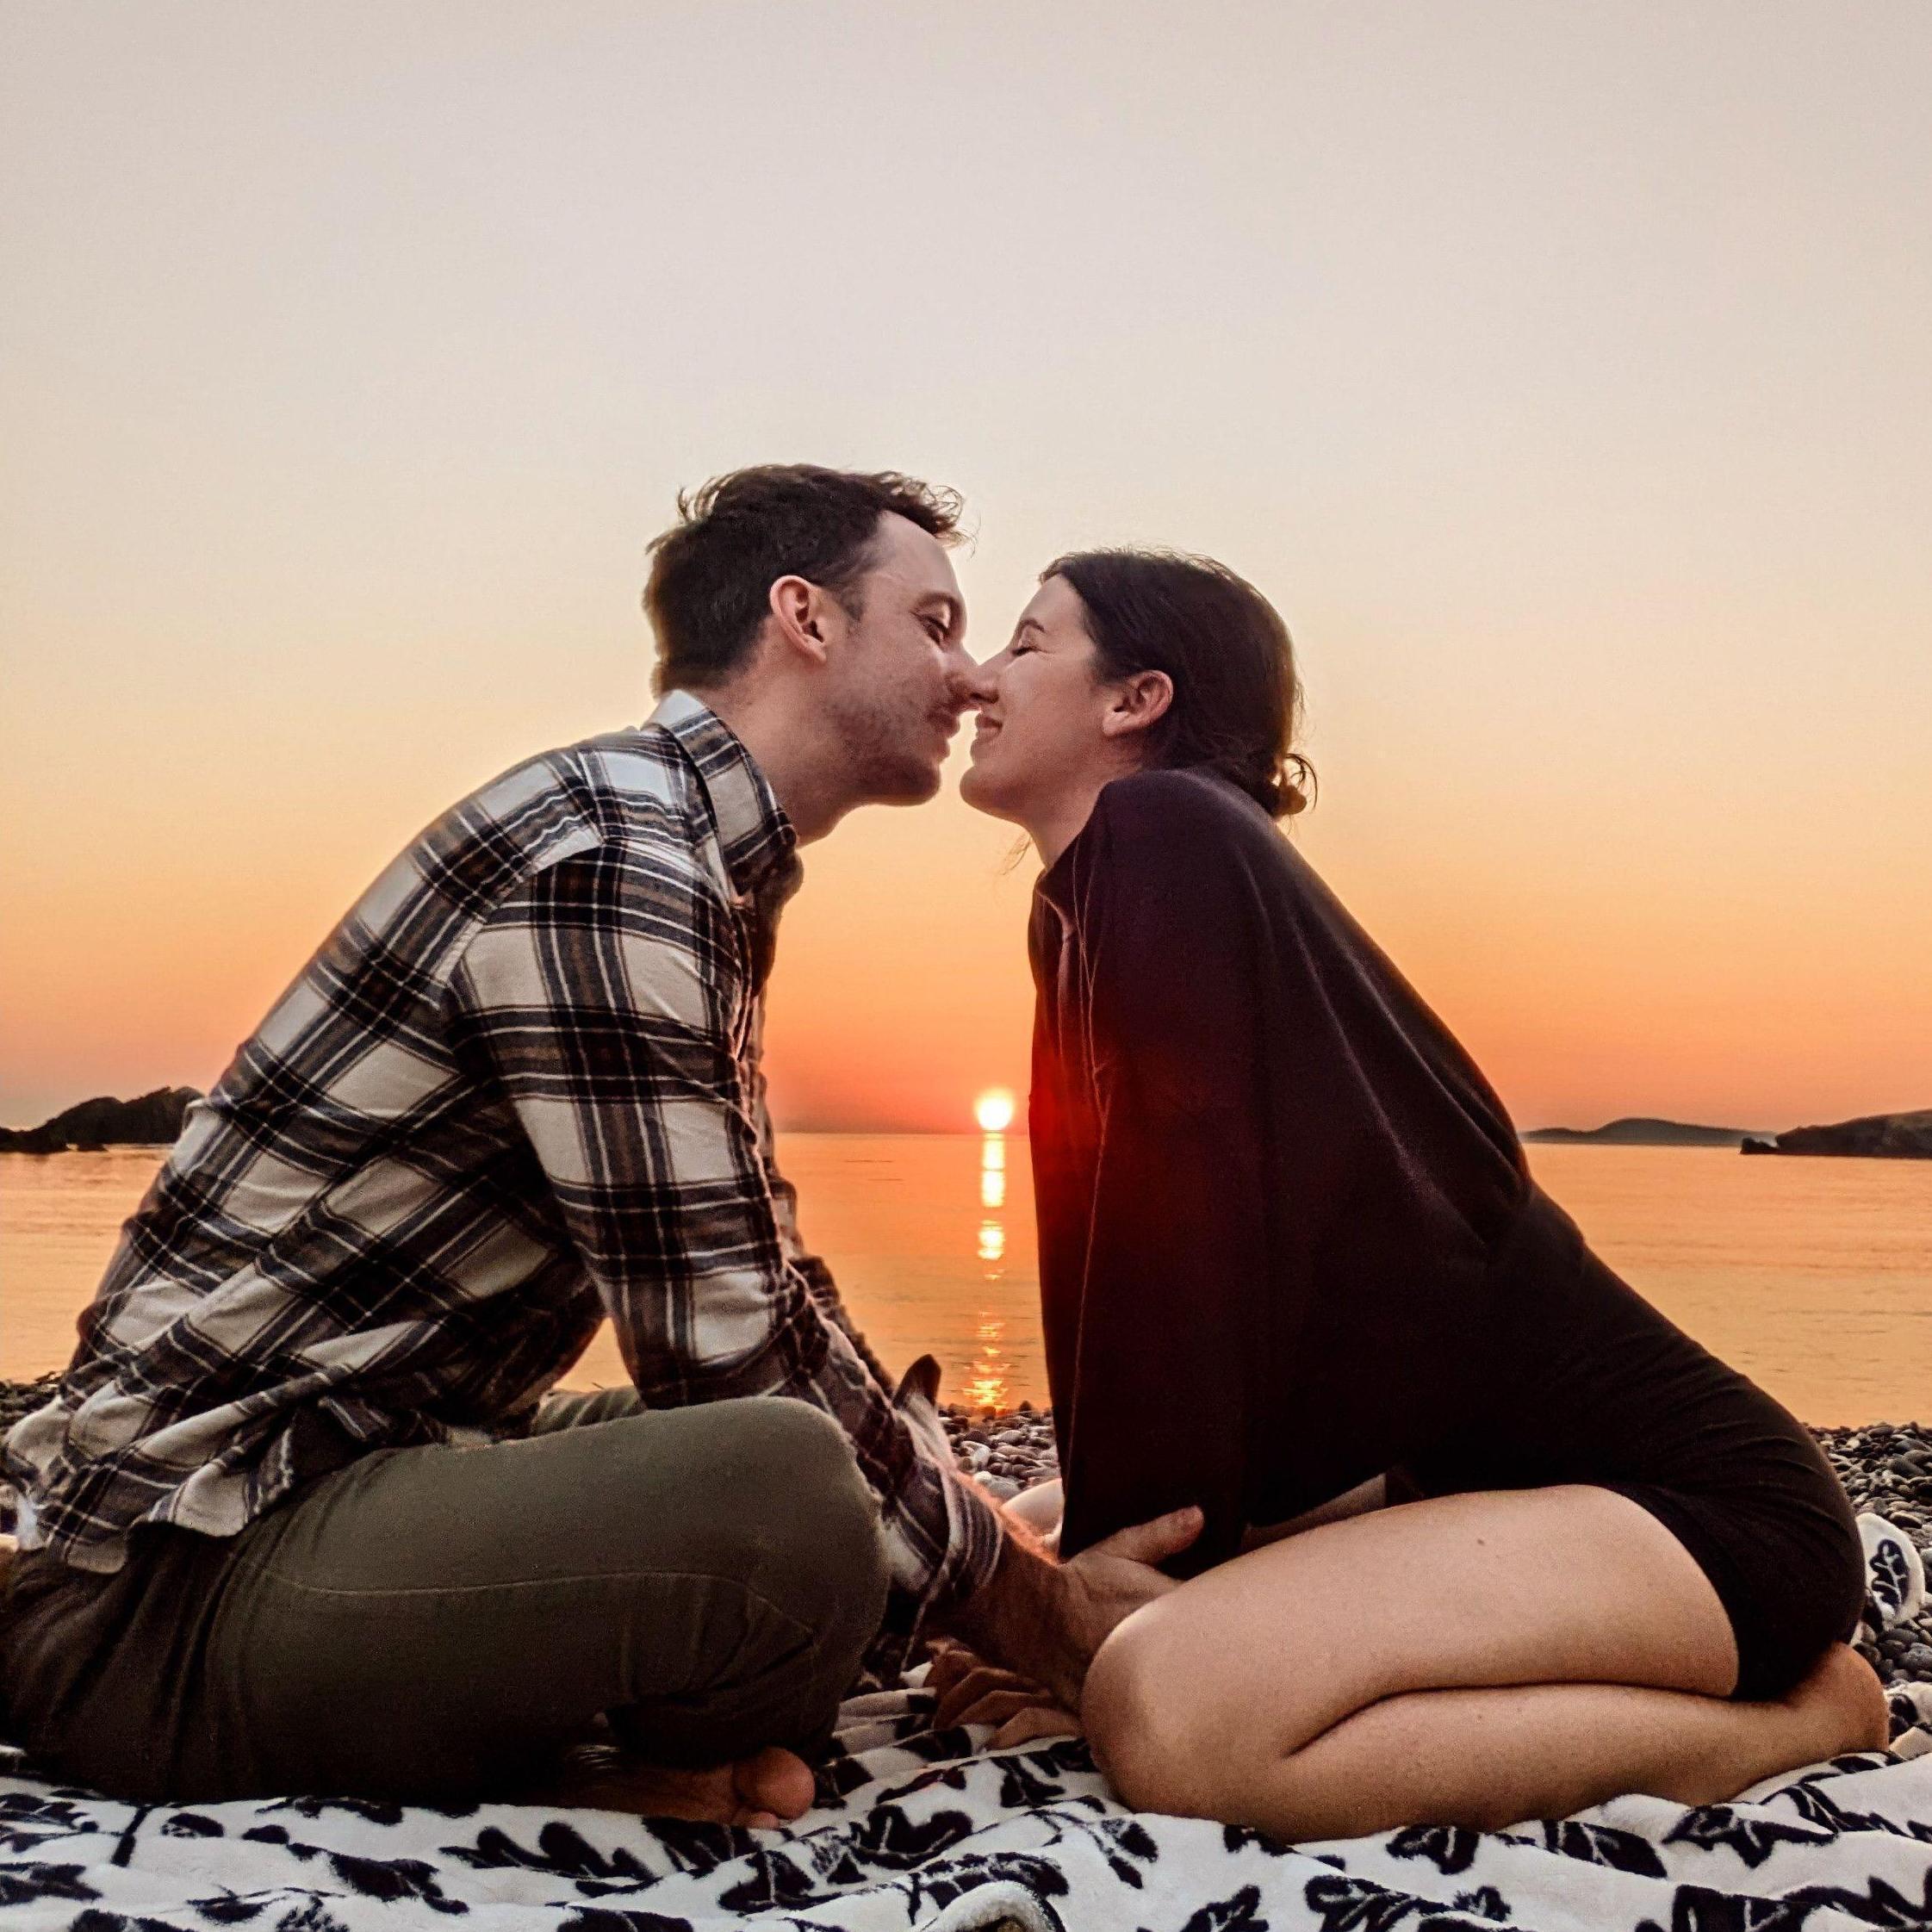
1298 782
1266 781
1291 783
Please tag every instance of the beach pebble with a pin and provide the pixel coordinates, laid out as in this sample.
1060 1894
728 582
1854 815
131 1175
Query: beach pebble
1001 1488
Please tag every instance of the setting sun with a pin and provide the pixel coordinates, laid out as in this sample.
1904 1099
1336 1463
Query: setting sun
994 1110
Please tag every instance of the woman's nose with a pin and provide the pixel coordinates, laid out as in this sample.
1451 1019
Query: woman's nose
977 682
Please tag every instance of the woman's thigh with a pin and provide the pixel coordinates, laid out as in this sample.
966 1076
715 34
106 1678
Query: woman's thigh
1565 1585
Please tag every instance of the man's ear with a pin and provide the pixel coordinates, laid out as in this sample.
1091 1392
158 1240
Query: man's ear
798 609
1139 701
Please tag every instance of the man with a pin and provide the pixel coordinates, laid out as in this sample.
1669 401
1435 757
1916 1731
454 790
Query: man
301 1517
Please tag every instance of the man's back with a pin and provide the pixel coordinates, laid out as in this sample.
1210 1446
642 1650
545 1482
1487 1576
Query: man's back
355 1242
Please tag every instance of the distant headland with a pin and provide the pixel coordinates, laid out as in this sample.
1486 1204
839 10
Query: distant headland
1873 1136
153 1121
1640 1131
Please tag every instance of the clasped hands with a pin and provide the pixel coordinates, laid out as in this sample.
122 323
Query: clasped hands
1096 1591
973 1691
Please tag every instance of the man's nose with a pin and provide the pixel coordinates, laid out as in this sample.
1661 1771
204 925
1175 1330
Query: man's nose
971 682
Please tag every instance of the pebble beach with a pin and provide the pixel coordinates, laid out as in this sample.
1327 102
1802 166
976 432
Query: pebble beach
1886 1467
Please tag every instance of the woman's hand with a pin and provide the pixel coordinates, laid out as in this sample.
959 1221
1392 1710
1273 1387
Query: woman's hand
973 1691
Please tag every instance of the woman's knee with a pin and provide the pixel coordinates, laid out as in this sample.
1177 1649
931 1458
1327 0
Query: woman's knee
1142 1710
1187 1706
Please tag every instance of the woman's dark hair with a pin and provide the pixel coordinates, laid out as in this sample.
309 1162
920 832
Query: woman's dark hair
713 572
1237 698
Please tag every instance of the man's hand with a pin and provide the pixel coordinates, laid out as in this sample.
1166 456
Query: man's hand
1111 1579
1044 1621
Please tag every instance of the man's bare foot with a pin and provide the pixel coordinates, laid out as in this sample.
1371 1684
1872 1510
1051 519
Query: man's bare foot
1843 1704
762 1791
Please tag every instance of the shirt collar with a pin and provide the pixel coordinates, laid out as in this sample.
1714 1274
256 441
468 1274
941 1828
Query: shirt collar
760 847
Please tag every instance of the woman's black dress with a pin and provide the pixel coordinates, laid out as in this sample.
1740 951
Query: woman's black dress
1288 1242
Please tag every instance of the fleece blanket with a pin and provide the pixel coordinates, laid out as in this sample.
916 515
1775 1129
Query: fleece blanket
915 1828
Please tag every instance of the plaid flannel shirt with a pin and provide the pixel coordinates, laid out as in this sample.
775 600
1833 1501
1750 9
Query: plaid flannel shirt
517 1090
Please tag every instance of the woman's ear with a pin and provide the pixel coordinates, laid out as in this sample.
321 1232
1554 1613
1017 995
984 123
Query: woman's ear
1138 701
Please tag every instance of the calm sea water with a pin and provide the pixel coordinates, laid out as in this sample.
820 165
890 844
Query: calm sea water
1815 1277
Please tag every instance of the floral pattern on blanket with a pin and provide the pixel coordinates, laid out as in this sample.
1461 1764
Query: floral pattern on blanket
915 1829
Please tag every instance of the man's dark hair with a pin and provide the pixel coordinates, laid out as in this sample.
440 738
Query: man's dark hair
713 572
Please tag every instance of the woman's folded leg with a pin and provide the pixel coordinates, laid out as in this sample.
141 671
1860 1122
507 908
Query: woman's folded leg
1470 1659
1492 1758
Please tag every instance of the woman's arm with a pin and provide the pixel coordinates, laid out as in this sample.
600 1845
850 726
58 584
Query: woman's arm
1171 1321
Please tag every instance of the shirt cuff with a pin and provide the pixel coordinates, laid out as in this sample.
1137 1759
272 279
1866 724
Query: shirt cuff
978 1536
975 1531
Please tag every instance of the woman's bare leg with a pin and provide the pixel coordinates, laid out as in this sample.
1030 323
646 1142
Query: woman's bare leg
1040 1507
1484 1640
1491 1758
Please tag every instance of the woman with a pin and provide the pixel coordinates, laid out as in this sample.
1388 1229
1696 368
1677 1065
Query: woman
1292 1266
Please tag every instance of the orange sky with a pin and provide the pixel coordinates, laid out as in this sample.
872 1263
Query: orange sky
1561 372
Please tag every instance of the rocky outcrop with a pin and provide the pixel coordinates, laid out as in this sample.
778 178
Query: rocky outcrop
1874 1136
1638 1132
153 1120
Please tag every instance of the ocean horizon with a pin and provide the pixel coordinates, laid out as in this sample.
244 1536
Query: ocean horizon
1813 1276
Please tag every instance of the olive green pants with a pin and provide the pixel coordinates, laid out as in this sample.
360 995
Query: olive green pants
433 1623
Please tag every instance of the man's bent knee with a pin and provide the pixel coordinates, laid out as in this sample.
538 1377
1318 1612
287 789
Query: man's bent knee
788 1515
762 1492
794 1532
823 1520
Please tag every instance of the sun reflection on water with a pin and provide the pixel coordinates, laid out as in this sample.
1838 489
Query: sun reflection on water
992 1172
987 1385
989 1377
